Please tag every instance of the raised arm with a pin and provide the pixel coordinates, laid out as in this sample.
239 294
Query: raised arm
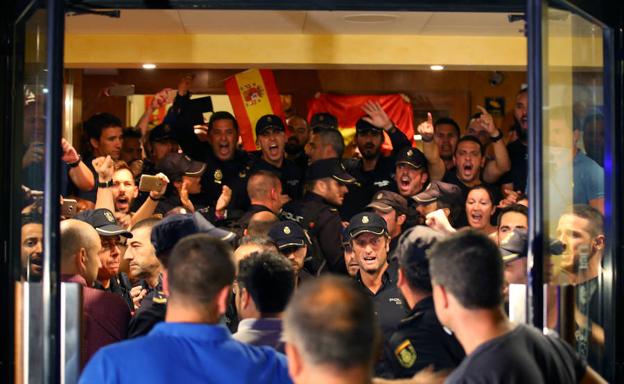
379 118
435 164
496 168
149 206
79 173
104 168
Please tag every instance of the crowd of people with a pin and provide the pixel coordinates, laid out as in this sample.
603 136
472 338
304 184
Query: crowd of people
296 264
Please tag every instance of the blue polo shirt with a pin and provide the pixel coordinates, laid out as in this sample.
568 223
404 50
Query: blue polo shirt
186 353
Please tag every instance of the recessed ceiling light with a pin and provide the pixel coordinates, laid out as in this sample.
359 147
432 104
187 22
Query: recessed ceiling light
437 67
149 66
370 18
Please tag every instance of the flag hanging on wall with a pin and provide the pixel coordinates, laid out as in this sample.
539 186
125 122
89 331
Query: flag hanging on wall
348 109
253 94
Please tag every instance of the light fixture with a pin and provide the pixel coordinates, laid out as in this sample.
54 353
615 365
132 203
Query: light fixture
149 66
437 67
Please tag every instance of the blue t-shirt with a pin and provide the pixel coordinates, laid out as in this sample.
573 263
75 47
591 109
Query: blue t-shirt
186 353
588 179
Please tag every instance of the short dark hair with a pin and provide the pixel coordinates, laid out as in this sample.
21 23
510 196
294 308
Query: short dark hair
96 123
263 241
518 208
413 262
199 267
131 133
469 265
447 121
486 189
222 115
472 139
591 214
149 222
270 280
333 138
332 322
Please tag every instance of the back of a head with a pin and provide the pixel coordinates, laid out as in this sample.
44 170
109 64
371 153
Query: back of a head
469 265
76 234
199 267
332 323
270 280
333 138
260 223
413 262
260 184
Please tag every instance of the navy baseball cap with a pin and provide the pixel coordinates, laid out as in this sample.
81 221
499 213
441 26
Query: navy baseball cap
363 126
176 165
346 238
515 245
288 234
267 122
323 120
437 190
387 201
173 228
411 156
325 168
104 222
162 132
367 222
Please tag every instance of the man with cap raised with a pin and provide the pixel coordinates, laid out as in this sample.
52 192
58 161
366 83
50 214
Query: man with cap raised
162 142
377 276
439 195
317 212
108 277
373 171
164 236
184 176
270 137
392 207
419 340
292 242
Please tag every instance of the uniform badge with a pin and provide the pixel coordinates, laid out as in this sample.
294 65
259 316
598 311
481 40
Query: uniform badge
365 220
287 230
410 153
406 354
109 216
379 196
218 175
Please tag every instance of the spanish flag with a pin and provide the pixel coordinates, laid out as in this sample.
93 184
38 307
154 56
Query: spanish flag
253 94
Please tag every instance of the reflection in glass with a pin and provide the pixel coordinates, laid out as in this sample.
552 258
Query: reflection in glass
573 139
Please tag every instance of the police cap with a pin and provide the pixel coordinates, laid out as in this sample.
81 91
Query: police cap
437 190
386 201
367 222
288 234
269 122
411 156
176 165
103 221
323 120
325 168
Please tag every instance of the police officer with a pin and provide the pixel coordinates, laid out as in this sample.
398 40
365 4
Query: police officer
225 164
419 340
440 195
373 171
377 277
271 139
292 242
410 177
317 212
392 207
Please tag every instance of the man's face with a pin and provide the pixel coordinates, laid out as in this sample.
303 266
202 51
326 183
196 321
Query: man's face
272 146
110 257
314 148
481 134
424 209
391 218
510 221
109 143
160 149
299 132
409 180
520 111
446 139
93 262
468 160
349 257
124 190
223 137
193 184
369 143
296 256
516 271
574 233
131 149
141 254
334 192
32 250
371 252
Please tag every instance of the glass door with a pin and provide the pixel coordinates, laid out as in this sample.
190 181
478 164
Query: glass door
571 179
33 243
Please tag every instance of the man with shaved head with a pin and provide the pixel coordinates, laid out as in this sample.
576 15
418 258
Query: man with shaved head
106 315
265 193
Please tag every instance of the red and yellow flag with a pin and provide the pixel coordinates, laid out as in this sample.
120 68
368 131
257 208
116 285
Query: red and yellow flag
253 94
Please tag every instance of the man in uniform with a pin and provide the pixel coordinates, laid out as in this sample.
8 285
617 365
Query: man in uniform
190 346
419 340
317 212
297 141
325 144
392 207
265 194
144 269
271 139
374 171
377 277
439 195
292 242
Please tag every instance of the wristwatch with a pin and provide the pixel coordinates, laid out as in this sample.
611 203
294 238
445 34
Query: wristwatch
107 184
497 137
75 163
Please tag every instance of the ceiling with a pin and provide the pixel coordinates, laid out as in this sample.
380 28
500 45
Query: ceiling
295 22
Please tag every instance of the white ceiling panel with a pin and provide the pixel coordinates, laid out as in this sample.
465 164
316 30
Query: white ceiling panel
375 23
248 22
130 22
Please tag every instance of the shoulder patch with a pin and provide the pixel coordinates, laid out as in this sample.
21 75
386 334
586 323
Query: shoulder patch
406 354
159 298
